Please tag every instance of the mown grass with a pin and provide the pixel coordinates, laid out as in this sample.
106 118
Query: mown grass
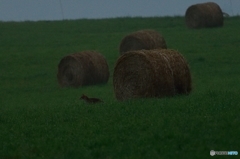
38 119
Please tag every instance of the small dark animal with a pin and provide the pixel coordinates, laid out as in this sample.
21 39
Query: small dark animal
90 100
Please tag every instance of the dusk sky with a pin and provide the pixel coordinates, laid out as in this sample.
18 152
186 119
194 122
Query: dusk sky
34 10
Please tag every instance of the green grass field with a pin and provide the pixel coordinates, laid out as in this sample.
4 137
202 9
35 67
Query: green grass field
38 119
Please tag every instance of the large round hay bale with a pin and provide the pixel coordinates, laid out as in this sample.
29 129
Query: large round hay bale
142 39
84 68
151 73
204 15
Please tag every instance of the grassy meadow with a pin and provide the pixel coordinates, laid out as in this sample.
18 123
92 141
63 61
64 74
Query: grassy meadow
38 119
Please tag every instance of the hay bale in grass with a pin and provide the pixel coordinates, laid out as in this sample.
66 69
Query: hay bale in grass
142 39
84 68
151 73
204 15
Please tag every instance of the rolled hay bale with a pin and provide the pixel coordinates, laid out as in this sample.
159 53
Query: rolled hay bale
151 73
142 39
204 15
84 68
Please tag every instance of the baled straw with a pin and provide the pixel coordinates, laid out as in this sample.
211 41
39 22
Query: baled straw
143 39
204 15
84 68
151 73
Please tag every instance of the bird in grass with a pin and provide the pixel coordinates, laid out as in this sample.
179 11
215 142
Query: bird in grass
90 100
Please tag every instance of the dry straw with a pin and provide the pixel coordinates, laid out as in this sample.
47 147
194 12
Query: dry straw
151 73
204 15
142 39
84 68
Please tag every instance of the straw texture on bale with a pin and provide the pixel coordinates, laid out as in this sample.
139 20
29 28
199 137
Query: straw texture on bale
84 68
142 39
204 15
151 73
181 71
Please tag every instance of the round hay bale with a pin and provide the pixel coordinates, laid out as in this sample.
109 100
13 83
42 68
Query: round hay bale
84 68
142 39
151 73
204 15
